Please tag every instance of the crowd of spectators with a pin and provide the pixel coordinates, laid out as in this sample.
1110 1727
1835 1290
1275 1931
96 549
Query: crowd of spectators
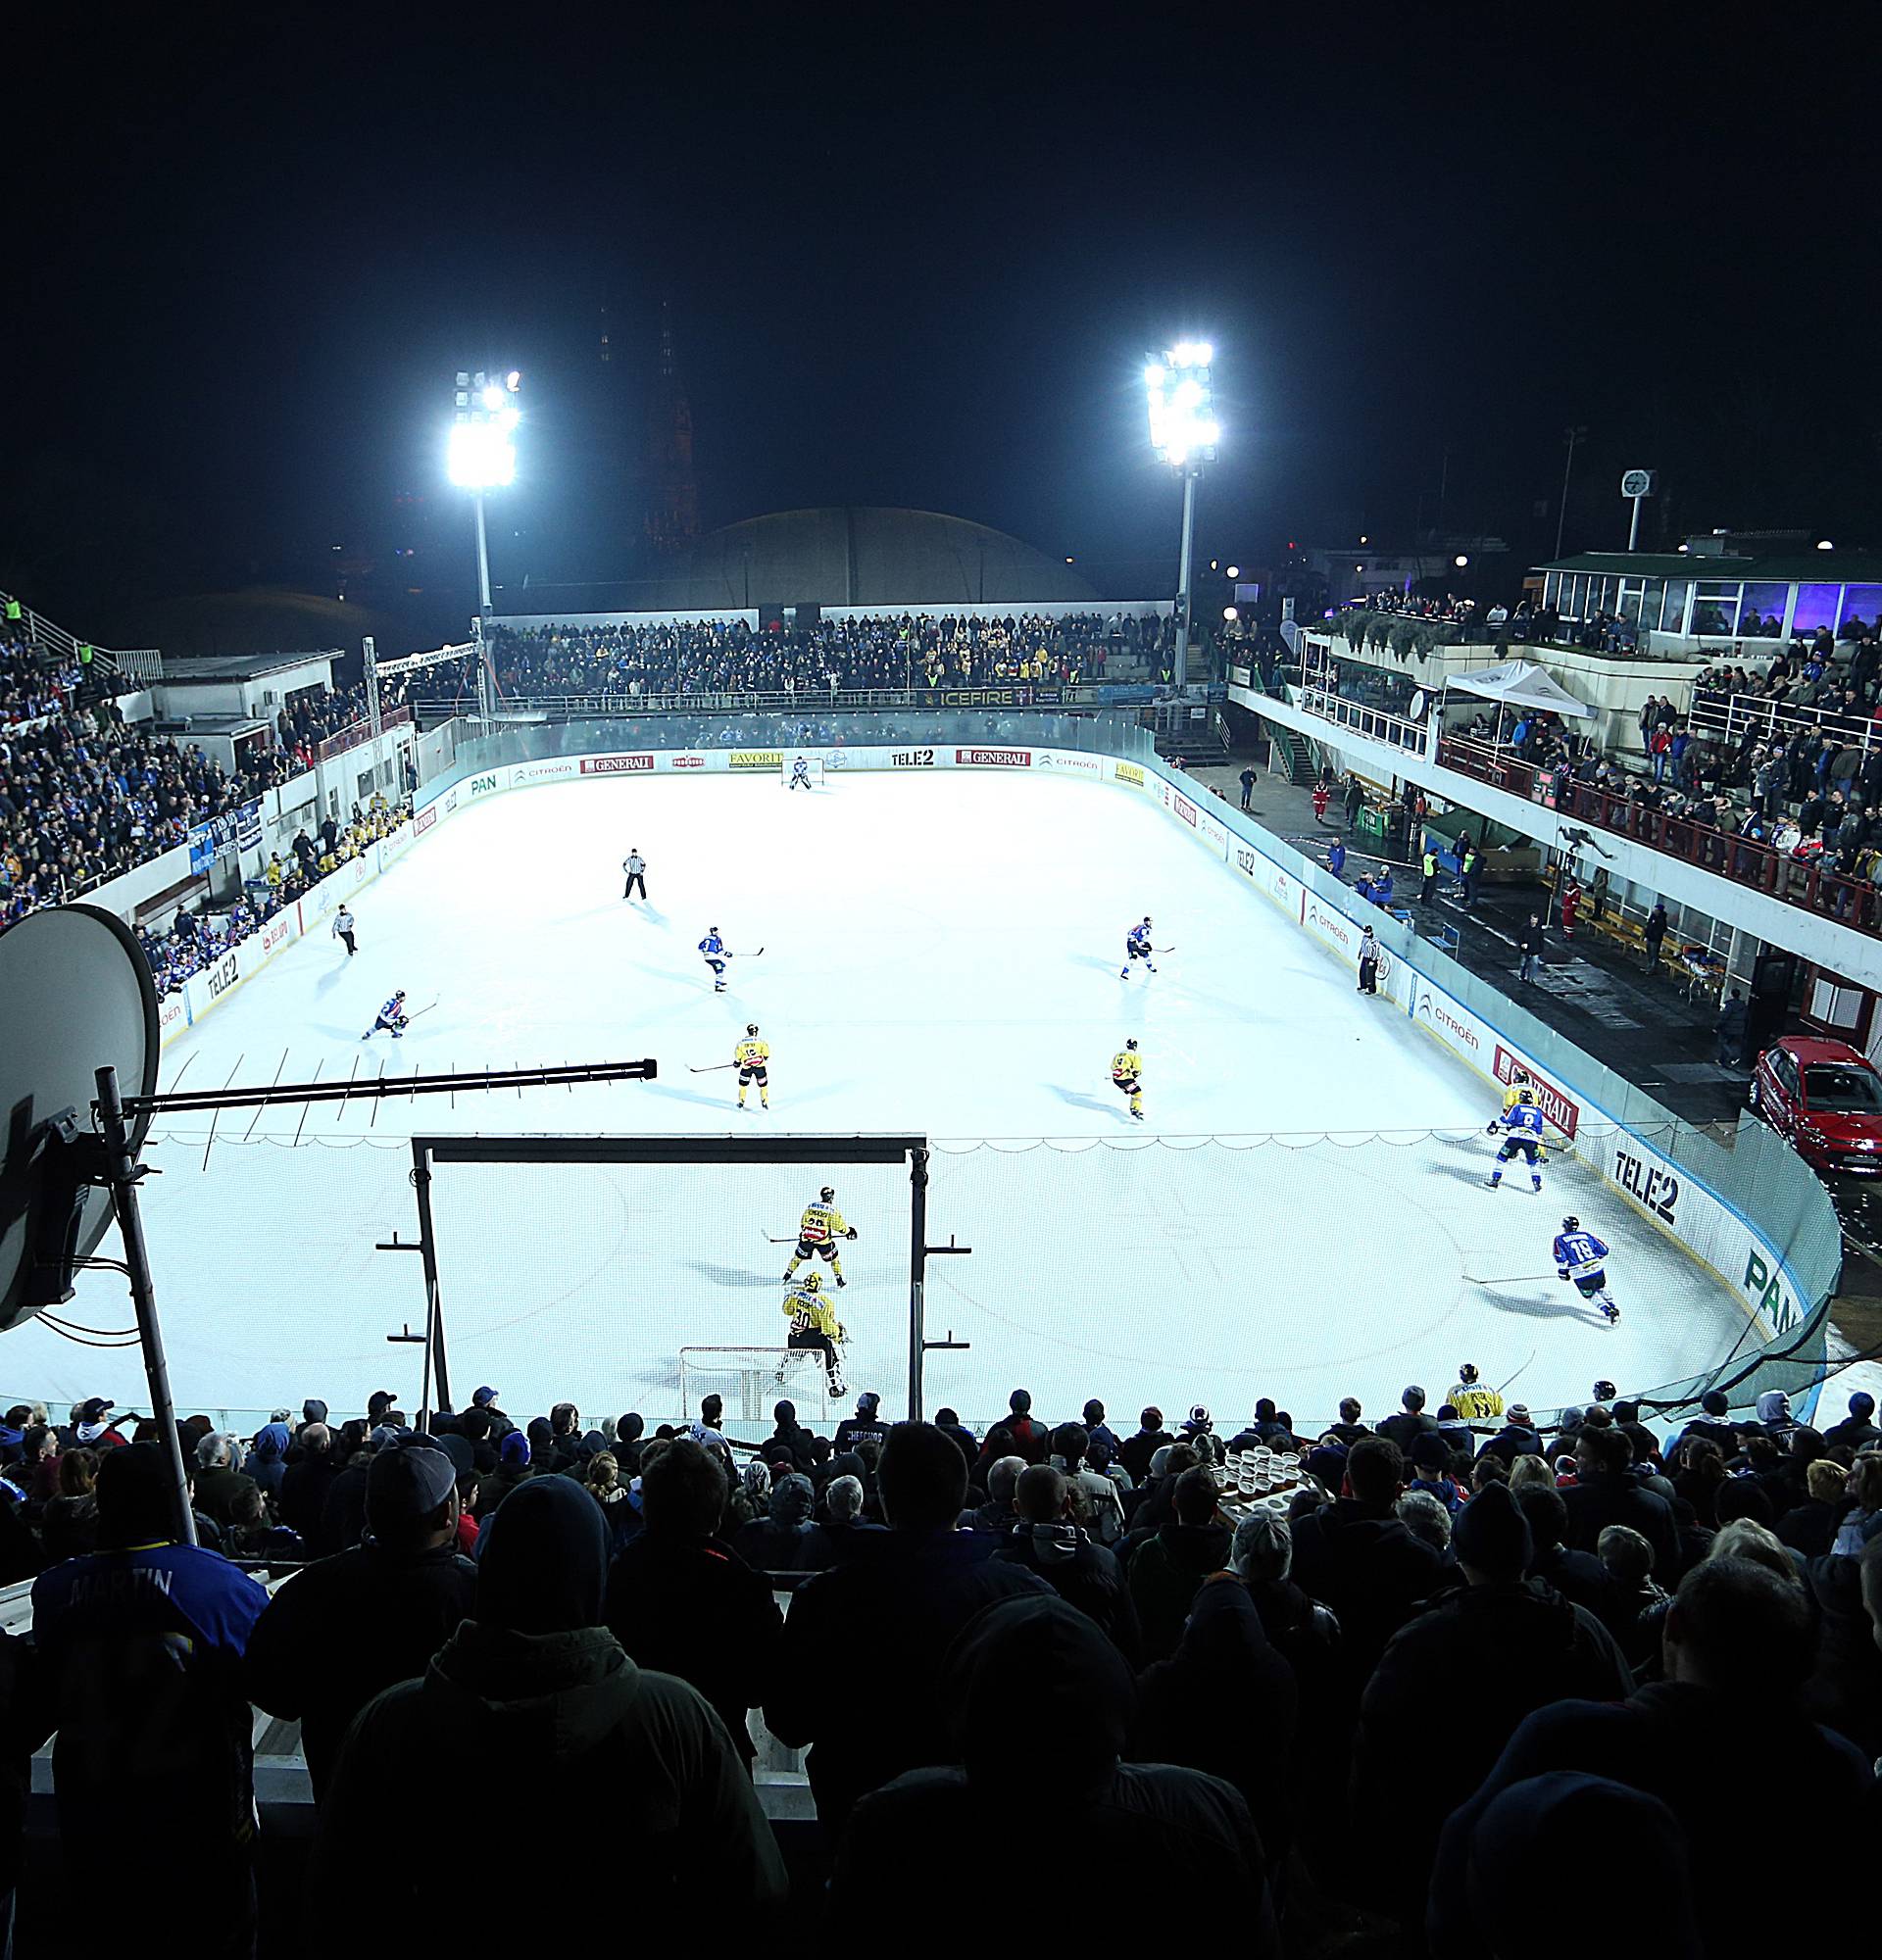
721 657
1462 1655
197 937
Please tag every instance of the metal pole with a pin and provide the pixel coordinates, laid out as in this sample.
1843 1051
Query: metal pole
1562 515
917 1276
1633 527
143 1293
1190 474
483 563
433 1304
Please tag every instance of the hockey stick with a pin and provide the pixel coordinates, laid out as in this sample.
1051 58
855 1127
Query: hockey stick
1507 1279
1501 1386
417 1011
712 1068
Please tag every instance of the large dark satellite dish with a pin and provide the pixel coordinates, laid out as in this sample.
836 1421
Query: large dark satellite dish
76 996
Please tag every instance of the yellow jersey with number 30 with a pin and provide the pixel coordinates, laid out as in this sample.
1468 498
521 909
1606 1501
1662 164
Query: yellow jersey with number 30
810 1313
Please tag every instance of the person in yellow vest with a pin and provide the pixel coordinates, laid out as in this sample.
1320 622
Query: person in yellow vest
752 1057
1127 1072
1470 1399
1429 867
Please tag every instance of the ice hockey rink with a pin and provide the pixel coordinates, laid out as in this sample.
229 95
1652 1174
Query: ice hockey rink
1297 1217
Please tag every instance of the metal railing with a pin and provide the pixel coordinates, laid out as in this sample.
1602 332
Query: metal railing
1731 719
356 732
140 663
1807 884
1379 724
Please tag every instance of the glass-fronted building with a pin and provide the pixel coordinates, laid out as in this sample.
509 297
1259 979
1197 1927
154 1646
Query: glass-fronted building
1712 599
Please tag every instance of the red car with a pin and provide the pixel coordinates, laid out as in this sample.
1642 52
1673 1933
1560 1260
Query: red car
1826 1099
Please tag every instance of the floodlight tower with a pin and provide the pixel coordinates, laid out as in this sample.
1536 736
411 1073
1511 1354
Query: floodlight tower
1184 432
482 451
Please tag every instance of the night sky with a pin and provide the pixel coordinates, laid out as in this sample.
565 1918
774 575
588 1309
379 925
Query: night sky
921 264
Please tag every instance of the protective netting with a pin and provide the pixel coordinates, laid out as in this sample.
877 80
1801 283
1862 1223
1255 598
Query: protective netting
1174 1271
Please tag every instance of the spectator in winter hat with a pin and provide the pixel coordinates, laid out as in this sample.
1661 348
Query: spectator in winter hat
538 1681
1858 1430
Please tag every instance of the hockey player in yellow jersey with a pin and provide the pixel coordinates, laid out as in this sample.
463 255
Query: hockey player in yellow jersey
752 1057
1127 1072
814 1325
1470 1399
817 1232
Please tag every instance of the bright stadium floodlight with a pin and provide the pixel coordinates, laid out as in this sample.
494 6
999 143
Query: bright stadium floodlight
481 453
1184 433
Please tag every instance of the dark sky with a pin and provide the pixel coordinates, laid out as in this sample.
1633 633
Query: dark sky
921 264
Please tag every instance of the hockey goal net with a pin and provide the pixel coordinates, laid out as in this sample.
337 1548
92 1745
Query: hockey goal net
752 1381
812 767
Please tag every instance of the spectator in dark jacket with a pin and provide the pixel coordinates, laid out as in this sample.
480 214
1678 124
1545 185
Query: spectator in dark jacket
1031 1437
1518 1646
630 1769
789 1438
1857 1430
849 1532
1606 1494
306 1482
878 1713
1578 1576
1138 1450
1034 1683
1227 1704
1738 1644
865 1425
218 1476
1356 1556
1046 1540
1409 1422
996 1517
350 1625
1517 1437
788 1539
1810 1527
681 1601
950 1424
1167 1570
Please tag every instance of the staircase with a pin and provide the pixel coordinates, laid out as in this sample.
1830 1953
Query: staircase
1291 753
141 665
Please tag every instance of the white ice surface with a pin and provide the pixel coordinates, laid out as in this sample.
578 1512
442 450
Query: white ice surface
941 954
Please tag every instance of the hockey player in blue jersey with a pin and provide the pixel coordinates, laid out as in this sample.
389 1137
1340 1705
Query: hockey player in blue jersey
1137 947
1521 1127
1582 1258
800 775
392 1019
712 951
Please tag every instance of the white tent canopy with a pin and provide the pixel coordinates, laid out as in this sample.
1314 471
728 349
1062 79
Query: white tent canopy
1518 684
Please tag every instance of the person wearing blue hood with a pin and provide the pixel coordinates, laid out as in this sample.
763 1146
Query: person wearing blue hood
266 1459
1857 1430
641 1769
1032 1683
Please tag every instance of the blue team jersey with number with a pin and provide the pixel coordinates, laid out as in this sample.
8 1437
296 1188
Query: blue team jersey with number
1139 935
1580 1251
393 1010
1523 1121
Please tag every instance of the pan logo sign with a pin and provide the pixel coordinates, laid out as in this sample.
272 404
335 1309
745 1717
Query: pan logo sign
1648 1185
481 785
1764 1290
1440 1016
